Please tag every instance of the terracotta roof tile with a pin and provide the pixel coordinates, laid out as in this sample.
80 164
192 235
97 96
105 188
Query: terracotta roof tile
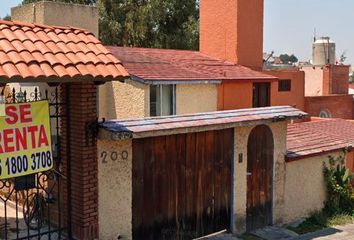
6 46
18 45
318 137
181 65
28 51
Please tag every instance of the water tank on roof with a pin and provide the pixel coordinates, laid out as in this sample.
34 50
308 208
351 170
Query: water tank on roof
323 51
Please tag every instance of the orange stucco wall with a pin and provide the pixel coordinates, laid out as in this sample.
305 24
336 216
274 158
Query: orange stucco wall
339 106
235 95
295 97
232 30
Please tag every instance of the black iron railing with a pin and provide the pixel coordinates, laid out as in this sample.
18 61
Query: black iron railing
32 206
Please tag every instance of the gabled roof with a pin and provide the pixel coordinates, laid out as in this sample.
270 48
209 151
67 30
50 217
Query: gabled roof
33 52
167 125
165 65
318 137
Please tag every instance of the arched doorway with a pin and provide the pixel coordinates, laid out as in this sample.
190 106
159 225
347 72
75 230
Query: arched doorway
260 151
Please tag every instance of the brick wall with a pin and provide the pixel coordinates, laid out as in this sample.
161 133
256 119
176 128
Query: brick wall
335 79
339 106
340 79
232 30
80 105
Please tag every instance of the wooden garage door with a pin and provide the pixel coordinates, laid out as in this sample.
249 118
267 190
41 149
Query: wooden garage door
181 185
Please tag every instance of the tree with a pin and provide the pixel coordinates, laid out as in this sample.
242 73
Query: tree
351 77
147 23
343 57
7 17
286 59
86 2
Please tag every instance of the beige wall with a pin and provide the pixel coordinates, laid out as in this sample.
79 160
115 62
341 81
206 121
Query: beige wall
115 189
131 99
124 100
240 171
115 182
196 98
56 13
290 179
313 81
305 187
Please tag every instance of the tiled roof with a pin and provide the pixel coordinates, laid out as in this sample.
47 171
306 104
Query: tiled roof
149 64
145 127
319 137
33 52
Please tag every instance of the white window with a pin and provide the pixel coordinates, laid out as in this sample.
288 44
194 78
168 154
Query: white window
162 100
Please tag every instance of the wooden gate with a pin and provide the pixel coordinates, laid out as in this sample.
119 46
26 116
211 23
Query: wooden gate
181 185
260 150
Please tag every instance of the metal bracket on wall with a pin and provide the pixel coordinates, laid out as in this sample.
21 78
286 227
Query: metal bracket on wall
91 129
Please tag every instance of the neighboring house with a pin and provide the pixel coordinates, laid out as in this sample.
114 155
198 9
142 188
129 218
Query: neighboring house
326 91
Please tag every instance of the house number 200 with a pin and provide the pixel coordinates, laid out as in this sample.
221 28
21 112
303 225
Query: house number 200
113 156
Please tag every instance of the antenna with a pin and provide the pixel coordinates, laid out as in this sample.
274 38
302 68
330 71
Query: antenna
314 35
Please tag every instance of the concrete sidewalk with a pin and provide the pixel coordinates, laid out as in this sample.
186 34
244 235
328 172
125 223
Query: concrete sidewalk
345 232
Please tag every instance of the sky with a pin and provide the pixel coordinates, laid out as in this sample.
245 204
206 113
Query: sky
289 25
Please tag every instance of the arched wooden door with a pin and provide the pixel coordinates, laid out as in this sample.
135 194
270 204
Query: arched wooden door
260 151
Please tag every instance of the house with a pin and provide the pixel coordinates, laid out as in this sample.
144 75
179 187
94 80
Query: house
162 158
150 177
166 184
225 74
169 82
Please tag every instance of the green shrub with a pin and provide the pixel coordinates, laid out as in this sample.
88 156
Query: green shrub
340 192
